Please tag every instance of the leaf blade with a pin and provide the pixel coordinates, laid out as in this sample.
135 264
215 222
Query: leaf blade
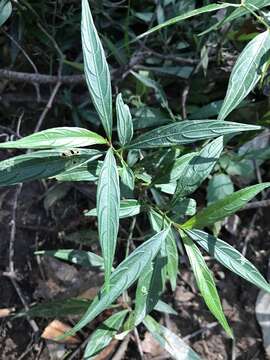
229 257
225 207
61 137
96 69
108 207
246 73
185 132
124 121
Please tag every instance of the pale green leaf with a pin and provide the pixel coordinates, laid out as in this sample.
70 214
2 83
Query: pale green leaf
43 164
205 282
219 186
122 278
198 168
96 69
157 223
246 72
127 179
165 308
61 137
128 208
185 132
108 205
176 19
84 258
229 257
220 209
103 335
5 11
184 207
124 121
174 345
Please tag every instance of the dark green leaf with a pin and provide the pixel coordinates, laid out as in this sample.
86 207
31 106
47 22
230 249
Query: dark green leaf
96 69
185 132
219 186
43 164
85 172
78 257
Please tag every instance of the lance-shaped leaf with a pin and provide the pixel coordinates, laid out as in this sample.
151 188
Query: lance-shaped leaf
61 137
171 267
78 257
229 257
103 335
96 69
5 11
122 278
149 289
86 172
220 209
43 164
57 308
185 132
124 121
205 282
108 205
246 72
175 346
128 208
176 19
198 168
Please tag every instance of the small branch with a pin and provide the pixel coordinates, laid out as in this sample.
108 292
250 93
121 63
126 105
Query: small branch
120 353
41 78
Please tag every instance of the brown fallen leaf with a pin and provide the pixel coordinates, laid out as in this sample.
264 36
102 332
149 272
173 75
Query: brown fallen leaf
151 346
57 328
6 312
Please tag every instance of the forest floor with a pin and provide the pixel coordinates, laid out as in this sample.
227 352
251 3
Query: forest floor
43 279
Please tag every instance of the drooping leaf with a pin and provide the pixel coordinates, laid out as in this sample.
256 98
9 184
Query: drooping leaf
202 10
57 308
246 72
171 267
219 186
5 11
84 258
128 208
103 335
228 256
108 206
127 179
122 278
96 69
149 289
124 121
185 132
198 168
43 164
175 346
220 209
205 282
61 137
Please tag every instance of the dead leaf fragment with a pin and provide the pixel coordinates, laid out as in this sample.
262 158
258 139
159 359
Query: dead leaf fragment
57 328
151 346
263 317
6 312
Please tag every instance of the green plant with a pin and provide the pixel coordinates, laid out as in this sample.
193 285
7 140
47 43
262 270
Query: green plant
129 161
